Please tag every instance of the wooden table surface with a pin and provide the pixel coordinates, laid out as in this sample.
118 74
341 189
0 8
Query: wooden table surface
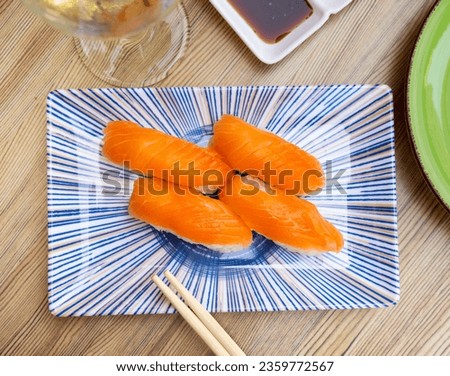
369 42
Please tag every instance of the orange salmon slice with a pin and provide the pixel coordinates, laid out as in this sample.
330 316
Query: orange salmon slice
189 215
290 221
154 153
267 156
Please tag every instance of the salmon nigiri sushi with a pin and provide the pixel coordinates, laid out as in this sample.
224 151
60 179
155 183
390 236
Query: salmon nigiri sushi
289 221
265 155
190 216
154 153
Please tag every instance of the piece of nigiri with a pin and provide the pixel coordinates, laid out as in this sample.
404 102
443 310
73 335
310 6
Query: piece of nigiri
289 221
263 154
154 153
188 215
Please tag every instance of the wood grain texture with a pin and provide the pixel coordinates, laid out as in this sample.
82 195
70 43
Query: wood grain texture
368 42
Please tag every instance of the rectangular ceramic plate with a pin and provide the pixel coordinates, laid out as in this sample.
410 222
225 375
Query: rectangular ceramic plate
100 259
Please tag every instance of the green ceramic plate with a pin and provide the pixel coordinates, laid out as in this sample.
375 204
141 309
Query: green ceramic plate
429 100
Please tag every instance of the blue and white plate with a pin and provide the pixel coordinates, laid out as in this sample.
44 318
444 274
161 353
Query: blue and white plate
100 259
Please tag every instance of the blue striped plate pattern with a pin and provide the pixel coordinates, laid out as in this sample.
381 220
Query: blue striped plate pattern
100 259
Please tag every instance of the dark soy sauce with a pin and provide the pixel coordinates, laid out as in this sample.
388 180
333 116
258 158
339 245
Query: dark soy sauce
273 19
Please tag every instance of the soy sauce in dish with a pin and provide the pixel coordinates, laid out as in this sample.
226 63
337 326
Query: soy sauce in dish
273 19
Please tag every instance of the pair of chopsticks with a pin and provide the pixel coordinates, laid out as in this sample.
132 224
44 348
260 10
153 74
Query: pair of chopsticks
217 339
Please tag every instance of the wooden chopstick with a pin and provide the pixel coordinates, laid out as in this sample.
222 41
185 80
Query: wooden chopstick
191 319
207 319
